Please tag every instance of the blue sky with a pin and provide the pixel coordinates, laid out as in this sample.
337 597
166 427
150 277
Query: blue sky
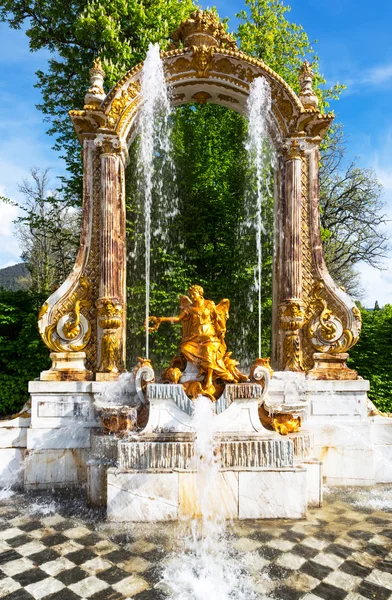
354 48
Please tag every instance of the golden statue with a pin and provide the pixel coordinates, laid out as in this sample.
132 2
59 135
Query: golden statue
202 344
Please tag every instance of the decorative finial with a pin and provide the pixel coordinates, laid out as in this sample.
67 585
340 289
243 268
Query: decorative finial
202 28
307 94
97 66
95 93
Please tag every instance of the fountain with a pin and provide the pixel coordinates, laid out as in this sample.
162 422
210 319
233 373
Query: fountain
150 475
134 439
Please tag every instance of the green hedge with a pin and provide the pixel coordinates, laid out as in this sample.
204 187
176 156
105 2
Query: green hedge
22 353
372 355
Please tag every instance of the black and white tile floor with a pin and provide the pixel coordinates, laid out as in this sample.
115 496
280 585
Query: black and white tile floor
61 551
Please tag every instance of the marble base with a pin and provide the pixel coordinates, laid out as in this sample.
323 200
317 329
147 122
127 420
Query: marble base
221 502
54 468
243 494
335 399
11 467
142 496
61 403
57 434
347 465
273 494
67 366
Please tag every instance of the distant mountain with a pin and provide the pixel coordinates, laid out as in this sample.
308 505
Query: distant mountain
15 278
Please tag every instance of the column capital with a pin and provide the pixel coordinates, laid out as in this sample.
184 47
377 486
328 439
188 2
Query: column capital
293 148
108 144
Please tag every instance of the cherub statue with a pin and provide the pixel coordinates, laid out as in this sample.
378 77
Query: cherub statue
203 339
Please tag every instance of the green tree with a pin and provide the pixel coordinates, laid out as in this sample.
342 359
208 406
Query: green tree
352 217
48 232
22 353
371 357
75 33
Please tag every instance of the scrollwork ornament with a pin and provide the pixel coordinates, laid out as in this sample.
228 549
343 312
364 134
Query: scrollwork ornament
69 330
325 329
202 27
120 104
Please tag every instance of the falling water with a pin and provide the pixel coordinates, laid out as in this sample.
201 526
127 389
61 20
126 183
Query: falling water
154 157
260 155
207 567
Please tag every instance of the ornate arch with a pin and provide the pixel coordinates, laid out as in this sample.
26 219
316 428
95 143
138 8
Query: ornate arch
314 321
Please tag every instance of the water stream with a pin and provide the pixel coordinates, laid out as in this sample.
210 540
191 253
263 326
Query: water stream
154 159
207 567
260 154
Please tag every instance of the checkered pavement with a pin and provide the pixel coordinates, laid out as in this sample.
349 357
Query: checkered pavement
341 552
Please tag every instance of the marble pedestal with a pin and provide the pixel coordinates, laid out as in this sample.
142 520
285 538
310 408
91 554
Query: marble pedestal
58 438
239 494
355 449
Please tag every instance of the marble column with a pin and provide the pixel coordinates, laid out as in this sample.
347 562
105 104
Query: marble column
291 308
111 301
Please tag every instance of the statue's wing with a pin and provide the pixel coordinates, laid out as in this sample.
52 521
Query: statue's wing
223 308
184 302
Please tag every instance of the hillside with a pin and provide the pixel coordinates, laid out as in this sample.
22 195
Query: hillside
16 277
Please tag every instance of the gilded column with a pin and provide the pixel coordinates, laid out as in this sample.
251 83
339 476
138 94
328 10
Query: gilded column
291 308
111 301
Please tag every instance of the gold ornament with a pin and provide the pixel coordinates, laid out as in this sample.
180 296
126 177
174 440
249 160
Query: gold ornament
120 104
201 97
203 28
61 333
307 94
282 423
285 424
203 341
226 98
325 329
292 316
110 320
202 60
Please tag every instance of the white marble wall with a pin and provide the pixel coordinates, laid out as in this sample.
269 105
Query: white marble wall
142 496
273 494
54 468
348 465
222 501
262 494
72 436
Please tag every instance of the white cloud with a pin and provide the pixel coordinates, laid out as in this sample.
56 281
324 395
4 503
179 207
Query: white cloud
9 247
377 285
378 75
355 78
